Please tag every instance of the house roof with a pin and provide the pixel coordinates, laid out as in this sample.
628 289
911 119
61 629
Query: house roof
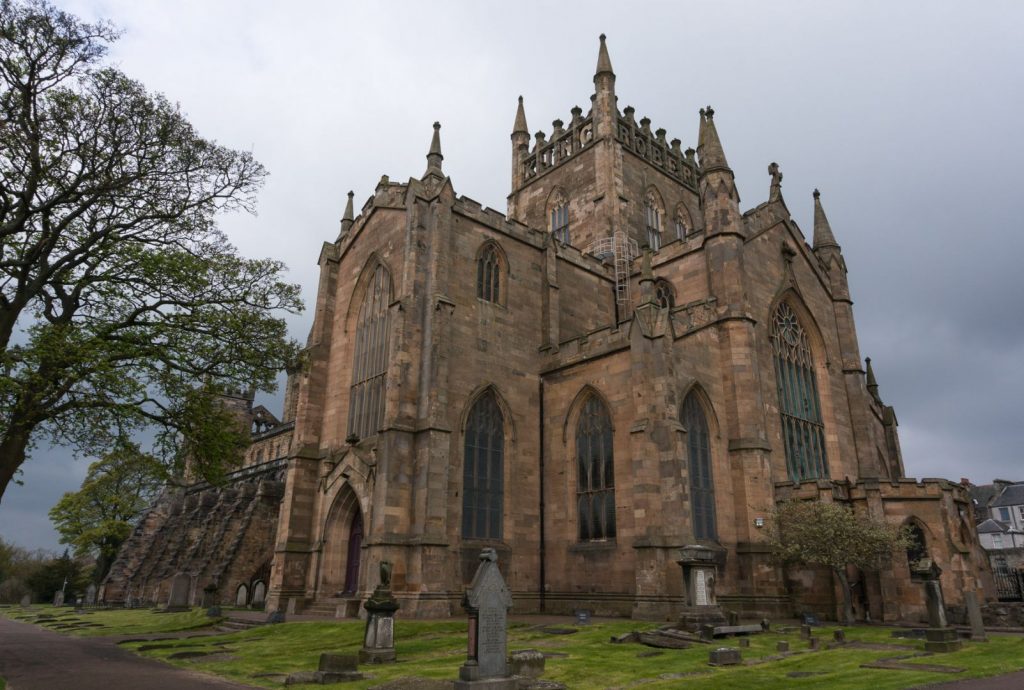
991 526
1011 496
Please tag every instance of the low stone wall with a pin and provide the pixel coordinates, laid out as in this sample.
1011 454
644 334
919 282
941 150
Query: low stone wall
1002 614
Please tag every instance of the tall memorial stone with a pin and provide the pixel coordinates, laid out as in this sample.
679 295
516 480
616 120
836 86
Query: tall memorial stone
90 595
181 585
700 570
487 602
379 642
939 637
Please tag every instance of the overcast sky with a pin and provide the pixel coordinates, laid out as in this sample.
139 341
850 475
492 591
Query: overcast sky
906 115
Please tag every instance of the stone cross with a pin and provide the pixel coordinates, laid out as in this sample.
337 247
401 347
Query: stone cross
487 602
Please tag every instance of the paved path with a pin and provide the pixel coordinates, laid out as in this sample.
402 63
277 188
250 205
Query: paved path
32 658
1007 682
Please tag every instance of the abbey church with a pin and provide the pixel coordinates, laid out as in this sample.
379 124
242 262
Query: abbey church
623 364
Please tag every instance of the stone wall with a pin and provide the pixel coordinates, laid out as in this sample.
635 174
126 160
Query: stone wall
216 535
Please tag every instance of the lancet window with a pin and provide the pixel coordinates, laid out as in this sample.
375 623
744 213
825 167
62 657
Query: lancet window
664 295
483 470
560 222
698 451
652 219
370 360
803 430
595 467
488 274
682 222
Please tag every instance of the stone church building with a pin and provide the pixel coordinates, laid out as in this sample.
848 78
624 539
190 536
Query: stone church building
623 364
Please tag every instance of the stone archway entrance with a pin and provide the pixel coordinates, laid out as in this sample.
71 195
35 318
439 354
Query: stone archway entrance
342 547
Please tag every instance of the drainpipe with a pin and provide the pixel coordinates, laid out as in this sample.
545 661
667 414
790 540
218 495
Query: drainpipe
540 387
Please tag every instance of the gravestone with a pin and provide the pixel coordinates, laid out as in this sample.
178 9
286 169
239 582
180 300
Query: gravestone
700 568
26 601
974 617
724 656
839 636
90 595
178 599
805 632
744 642
812 643
939 637
782 646
242 595
487 602
58 598
379 638
582 616
528 663
335 668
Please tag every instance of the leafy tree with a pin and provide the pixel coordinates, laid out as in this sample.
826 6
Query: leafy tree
97 518
118 293
832 535
17 566
53 574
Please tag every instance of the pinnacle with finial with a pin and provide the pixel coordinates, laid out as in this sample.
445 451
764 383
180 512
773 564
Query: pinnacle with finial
604 63
348 207
872 382
823 236
434 157
520 124
709 146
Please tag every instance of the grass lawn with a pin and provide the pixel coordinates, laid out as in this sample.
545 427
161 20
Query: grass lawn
110 621
436 649
585 659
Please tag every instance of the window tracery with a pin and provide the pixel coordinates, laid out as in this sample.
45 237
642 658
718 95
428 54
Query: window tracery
698 451
488 274
483 470
803 430
595 466
370 359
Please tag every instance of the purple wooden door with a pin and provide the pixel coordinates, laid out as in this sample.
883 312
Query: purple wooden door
355 550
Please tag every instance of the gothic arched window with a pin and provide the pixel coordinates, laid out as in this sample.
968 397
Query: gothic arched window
803 430
370 360
683 223
558 209
488 274
595 466
916 547
652 220
698 453
483 470
664 295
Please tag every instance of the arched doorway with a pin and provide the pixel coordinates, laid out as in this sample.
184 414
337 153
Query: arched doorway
342 546
355 550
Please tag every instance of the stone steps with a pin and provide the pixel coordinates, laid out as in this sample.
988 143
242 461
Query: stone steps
237 624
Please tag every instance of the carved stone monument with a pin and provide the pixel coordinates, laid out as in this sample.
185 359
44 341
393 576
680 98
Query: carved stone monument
487 602
58 598
181 584
700 570
379 641
90 595
939 637
974 617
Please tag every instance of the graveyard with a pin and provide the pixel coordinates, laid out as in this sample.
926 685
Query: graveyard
577 656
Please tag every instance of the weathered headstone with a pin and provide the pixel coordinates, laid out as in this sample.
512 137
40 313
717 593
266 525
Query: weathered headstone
974 616
782 646
582 616
724 656
744 642
487 602
242 595
335 668
178 599
379 638
812 643
90 595
805 632
839 636
26 601
528 663
58 598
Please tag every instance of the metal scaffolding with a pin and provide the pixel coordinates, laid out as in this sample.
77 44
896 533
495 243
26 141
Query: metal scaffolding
621 249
